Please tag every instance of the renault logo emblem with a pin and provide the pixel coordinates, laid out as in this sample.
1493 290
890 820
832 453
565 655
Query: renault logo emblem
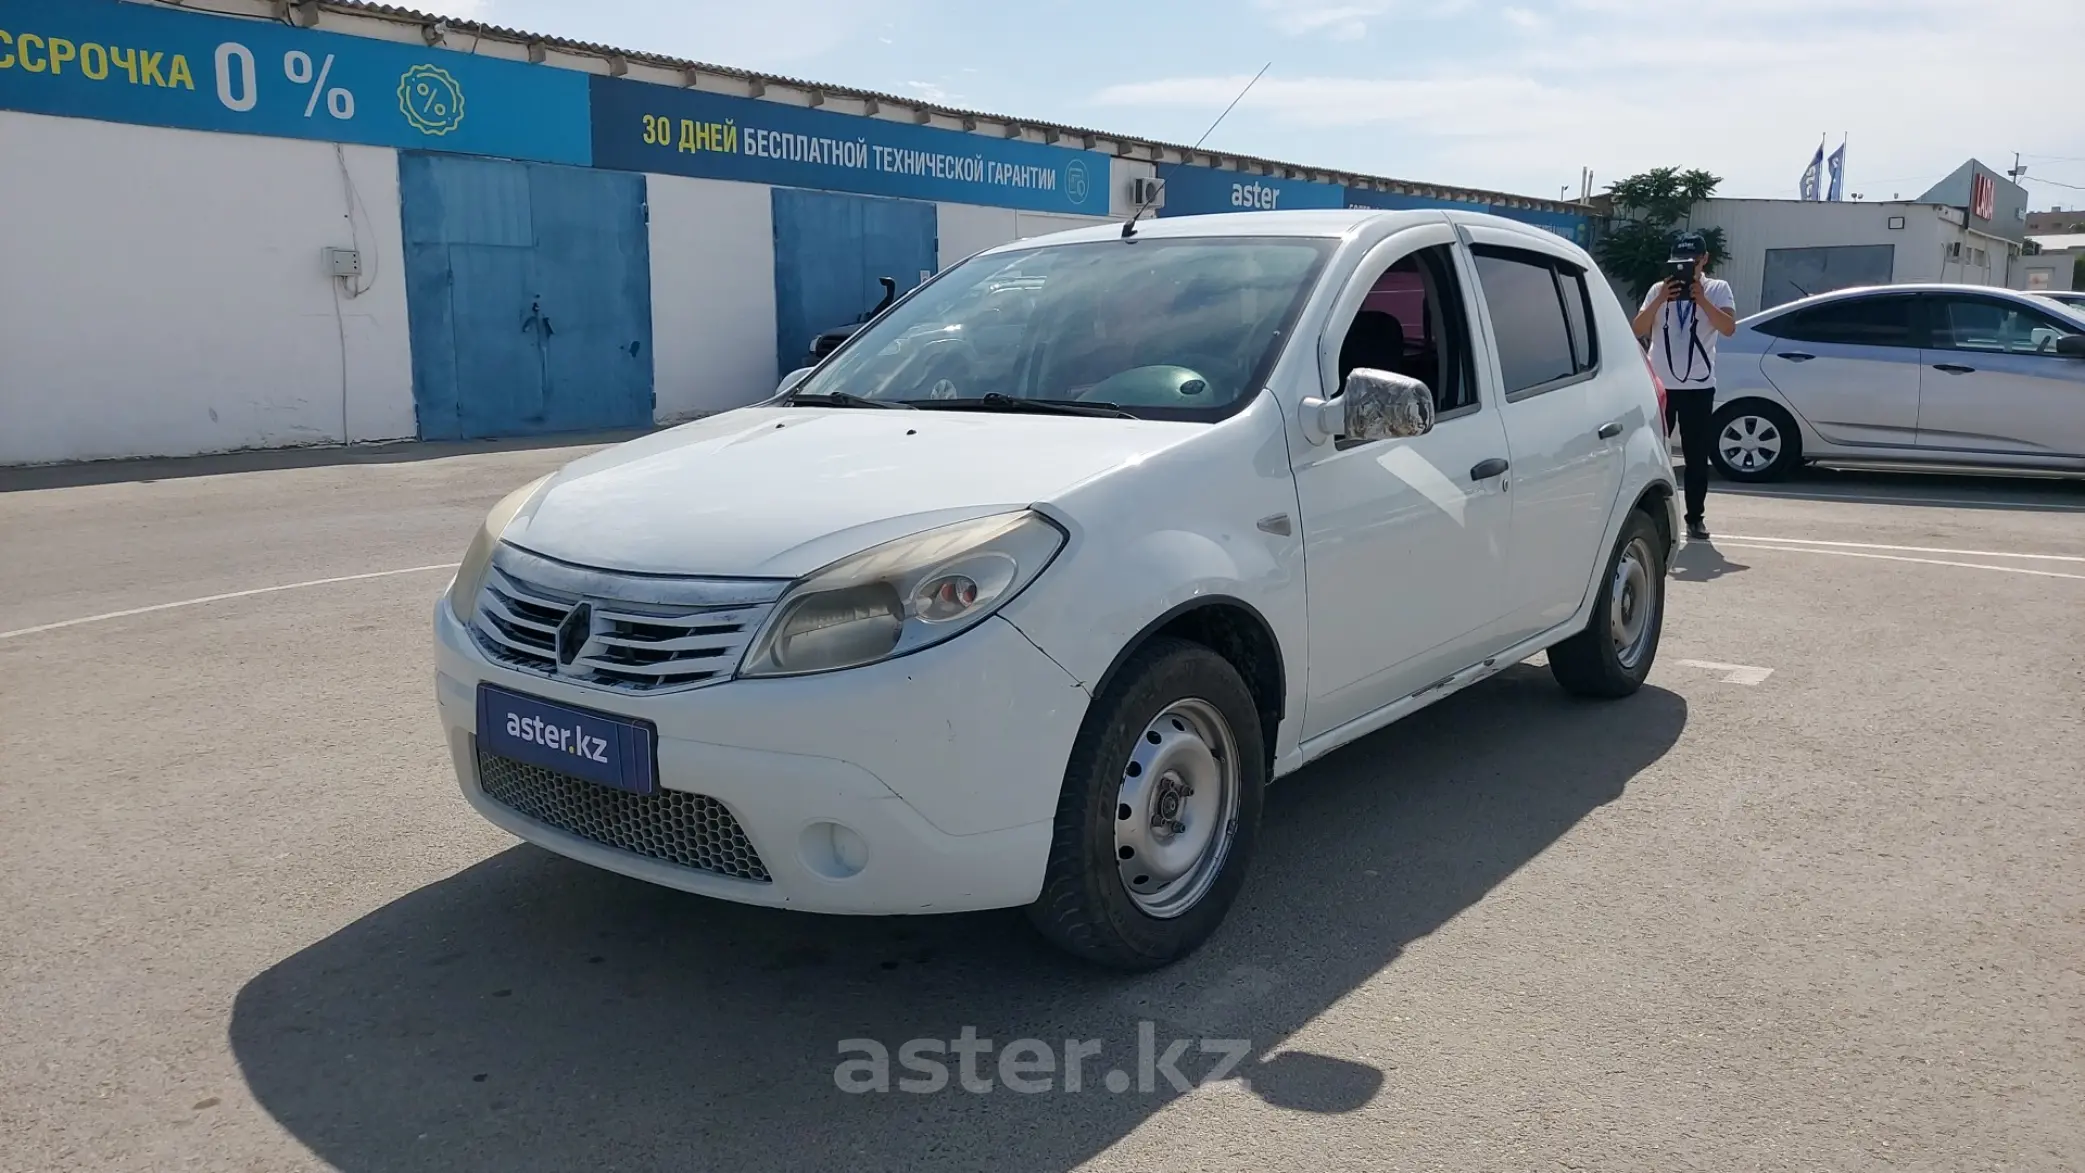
572 634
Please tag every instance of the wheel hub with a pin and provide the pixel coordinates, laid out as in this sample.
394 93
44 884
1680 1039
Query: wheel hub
1630 603
1177 808
1750 442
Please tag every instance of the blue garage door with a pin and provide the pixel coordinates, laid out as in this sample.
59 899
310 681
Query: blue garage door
829 251
528 290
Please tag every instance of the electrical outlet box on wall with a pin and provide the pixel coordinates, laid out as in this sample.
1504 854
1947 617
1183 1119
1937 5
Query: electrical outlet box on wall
343 262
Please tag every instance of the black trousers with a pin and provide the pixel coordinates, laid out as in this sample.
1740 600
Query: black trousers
1694 408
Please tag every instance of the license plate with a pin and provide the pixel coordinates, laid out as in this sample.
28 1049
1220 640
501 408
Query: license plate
615 752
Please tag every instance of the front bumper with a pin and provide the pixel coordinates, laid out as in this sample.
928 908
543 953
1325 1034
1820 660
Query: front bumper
946 765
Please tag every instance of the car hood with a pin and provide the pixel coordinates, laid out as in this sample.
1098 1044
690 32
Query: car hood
780 492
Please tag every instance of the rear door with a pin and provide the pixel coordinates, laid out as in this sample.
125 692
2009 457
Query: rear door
1564 474
1850 366
1993 383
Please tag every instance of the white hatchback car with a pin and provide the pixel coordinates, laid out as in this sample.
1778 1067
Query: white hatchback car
1025 593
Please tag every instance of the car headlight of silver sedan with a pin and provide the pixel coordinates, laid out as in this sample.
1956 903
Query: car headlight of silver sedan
904 595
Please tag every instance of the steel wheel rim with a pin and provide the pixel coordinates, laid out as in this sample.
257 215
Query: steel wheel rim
1176 811
1750 443
1631 603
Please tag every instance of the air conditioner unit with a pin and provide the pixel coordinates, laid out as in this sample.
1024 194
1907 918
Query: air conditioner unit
1147 193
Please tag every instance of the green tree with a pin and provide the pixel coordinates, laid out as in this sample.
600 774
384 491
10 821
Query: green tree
1651 209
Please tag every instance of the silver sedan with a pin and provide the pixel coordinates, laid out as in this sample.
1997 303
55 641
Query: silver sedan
1938 377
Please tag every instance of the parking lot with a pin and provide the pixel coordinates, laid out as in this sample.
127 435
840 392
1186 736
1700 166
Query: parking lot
1815 899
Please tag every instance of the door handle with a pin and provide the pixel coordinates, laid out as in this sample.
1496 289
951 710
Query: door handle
1610 429
1484 470
1954 368
1794 355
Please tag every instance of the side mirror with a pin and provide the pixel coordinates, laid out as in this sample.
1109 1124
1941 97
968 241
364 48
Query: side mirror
790 380
2071 346
1374 405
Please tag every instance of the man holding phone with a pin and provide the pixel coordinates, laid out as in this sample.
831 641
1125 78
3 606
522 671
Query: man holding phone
1683 316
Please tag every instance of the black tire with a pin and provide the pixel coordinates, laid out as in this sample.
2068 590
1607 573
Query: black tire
1086 907
1590 664
1761 419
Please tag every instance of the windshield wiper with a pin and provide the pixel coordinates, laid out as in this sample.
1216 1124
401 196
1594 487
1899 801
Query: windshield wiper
995 401
842 399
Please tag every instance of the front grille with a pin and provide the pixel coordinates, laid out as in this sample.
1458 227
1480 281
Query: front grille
645 634
689 830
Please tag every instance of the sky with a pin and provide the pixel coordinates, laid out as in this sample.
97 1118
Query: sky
1512 96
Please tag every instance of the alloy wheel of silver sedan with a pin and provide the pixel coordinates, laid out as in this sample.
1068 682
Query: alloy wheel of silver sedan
1749 443
1178 808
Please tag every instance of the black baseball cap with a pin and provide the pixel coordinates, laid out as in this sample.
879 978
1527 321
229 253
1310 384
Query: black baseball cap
1688 246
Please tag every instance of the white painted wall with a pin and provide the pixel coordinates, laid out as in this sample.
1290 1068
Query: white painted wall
964 229
162 293
713 295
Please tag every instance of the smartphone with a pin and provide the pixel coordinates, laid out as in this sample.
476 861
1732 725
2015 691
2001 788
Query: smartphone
1679 281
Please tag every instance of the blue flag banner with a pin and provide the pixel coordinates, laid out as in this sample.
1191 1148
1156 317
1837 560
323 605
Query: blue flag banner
1836 165
155 66
639 126
1811 174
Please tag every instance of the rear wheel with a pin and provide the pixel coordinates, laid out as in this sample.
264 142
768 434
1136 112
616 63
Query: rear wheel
1160 811
1611 657
1756 441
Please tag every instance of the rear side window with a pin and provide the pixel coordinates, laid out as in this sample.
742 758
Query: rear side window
1541 315
1865 321
1978 323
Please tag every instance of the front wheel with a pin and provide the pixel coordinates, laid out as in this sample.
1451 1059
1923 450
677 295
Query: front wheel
1755 441
1160 811
1611 657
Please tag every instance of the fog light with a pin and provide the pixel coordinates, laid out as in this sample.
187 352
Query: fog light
834 851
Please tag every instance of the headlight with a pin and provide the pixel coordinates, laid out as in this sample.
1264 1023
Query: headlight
477 561
903 595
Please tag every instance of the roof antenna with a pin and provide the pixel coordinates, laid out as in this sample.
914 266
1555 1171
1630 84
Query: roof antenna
1129 226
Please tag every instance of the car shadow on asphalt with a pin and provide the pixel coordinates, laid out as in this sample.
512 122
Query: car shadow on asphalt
533 1013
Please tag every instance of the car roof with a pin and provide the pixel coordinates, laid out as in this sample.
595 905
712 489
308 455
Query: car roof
1859 291
1330 223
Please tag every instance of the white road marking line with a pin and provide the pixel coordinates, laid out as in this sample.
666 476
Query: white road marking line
1909 549
268 590
1901 558
1732 673
1950 502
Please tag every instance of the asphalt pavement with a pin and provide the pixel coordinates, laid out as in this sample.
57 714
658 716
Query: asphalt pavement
1814 899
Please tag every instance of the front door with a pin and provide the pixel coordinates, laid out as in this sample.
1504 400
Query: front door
1404 549
1993 382
528 297
1850 367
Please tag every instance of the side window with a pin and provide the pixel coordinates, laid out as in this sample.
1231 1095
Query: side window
1411 323
1993 327
1867 321
1539 315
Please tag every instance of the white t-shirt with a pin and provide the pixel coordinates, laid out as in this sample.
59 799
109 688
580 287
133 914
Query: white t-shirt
1683 343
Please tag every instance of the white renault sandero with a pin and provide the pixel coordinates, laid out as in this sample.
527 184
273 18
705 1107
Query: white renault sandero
1023 596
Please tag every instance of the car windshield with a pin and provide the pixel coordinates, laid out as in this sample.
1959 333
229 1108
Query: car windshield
1163 329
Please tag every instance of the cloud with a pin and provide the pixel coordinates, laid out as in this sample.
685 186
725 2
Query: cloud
1526 20
1346 20
1744 90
